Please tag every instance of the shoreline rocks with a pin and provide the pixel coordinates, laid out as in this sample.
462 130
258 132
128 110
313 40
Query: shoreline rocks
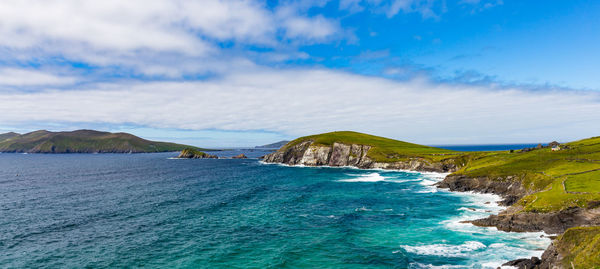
308 154
551 223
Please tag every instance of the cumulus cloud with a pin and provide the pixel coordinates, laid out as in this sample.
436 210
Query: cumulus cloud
300 102
25 77
152 33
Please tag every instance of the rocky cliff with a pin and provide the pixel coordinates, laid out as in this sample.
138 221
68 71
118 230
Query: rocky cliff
339 154
513 219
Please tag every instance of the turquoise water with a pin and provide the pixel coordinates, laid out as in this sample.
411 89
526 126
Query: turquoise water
146 210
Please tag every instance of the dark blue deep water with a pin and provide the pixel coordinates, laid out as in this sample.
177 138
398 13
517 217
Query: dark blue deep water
146 210
490 147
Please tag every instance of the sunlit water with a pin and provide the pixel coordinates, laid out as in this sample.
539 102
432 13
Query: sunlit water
146 210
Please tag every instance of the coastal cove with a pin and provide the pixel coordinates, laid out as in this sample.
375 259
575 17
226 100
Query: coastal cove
123 210
537 183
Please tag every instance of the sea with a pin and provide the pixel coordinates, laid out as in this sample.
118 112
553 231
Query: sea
155 211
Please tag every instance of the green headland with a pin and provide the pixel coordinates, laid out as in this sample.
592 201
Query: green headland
83 141
382 149
553 185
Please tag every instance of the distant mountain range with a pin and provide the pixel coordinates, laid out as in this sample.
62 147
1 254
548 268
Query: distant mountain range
83 141
275 145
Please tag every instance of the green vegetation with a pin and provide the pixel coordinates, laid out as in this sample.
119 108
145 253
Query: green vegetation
192 153
7 136
383 149
560 179
84 141
580 247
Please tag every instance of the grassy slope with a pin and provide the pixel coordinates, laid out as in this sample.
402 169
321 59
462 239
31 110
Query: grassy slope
383 149
562 179
85 141
580 247
5 136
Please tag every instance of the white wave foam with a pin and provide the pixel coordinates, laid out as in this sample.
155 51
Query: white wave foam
371 177
431 266
446 250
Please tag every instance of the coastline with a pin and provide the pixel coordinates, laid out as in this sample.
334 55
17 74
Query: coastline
492 203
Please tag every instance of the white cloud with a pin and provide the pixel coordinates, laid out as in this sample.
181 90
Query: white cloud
25 77
392 7
300 102
138 33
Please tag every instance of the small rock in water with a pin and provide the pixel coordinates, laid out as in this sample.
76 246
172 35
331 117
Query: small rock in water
524 263
240 156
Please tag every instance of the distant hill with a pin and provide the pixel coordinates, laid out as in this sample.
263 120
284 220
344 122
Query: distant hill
83 141
7 136
275 145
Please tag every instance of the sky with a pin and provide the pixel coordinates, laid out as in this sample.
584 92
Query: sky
235 73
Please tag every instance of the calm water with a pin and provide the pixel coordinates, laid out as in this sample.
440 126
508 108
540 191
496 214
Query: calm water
491 147
146 210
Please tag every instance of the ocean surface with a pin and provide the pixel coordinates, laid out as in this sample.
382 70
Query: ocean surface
152 211
490 147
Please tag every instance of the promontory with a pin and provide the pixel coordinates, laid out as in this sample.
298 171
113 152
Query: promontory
553 188
82 141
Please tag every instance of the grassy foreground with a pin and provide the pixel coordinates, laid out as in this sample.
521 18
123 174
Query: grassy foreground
580 247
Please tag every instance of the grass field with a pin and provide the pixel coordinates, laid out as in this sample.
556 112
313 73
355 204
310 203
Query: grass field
561 179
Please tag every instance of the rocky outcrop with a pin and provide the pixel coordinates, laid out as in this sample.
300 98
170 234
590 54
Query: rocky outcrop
552 223
513 219
195 154
240 156
339 154
533 262
509 188
550 258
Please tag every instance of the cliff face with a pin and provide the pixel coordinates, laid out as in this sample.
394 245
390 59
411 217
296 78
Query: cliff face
339 154
509 188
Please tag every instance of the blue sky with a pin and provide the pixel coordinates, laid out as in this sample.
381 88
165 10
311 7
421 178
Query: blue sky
242 73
